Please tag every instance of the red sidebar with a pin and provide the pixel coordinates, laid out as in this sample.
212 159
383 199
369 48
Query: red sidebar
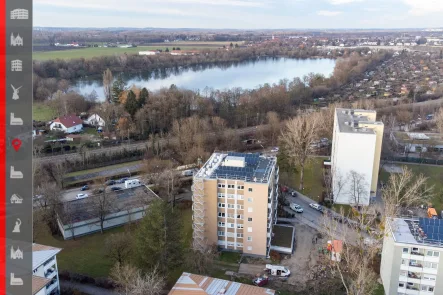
2 147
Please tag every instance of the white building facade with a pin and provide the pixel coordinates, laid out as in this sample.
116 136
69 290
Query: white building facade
95 120
45 279
355 156
410 264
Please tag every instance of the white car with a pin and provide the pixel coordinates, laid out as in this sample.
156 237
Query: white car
316 207
297 208
81 196
275 150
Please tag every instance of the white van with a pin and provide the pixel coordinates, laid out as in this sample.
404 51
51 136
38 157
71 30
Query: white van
277 270
132 183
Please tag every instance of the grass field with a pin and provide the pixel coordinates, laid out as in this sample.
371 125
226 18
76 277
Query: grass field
42 112
111 167
86 254
313 186
106 51
435 178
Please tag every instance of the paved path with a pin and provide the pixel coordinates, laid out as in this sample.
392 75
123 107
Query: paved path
88 289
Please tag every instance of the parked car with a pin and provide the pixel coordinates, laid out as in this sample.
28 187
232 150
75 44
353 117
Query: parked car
81 196
297 208
316 207
293 194
284 189
37 197
260 281
275 149
110 182
115 188
84 188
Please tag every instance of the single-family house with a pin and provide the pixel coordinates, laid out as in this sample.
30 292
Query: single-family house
95 120
68 124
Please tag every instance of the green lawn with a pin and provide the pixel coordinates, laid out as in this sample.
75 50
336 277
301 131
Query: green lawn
103 51
435 178
111 167
86 254
313 178
230 257
42 112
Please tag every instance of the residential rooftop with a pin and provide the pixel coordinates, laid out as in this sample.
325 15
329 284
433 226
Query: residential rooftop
249 167
42 253
417 231
191 284
350 120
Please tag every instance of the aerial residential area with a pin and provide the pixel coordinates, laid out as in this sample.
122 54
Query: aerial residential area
212 156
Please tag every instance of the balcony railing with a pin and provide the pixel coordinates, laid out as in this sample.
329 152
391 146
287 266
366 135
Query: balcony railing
414 276
412 288
416 264
418 253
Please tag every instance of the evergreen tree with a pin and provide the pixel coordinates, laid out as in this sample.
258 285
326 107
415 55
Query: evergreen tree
143 98
167 49
131 105
117 88
158 238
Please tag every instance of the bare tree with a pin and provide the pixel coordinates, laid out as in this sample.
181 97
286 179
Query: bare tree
118 247
297 138
357 188
68 217
48 201
274 126
107 84
131 281
57 171
439 120
101 205
200 261
334 183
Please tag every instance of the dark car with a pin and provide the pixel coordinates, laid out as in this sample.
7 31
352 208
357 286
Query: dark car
115 188
84 188
110 182
260 281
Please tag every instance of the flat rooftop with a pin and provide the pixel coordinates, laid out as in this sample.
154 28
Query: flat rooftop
283 236
418 231
349 120
121 200
249 167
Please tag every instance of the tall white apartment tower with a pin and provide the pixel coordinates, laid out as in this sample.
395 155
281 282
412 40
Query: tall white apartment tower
355 157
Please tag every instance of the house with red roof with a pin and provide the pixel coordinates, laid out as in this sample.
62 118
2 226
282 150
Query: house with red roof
67 124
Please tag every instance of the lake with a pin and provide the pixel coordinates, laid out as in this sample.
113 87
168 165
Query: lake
246 75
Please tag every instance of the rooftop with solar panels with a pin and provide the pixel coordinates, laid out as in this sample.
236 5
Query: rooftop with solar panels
249 167
421 230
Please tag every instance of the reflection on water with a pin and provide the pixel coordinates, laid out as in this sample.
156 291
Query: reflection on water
246 75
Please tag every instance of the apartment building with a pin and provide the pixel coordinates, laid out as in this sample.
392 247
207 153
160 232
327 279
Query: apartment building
412 257
355 157
45 271
235 202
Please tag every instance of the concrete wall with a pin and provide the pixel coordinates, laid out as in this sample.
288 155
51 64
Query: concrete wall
389 267
93 225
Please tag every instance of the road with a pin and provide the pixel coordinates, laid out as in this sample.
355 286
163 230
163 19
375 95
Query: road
132 146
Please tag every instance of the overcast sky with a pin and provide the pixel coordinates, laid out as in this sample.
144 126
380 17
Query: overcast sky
239 14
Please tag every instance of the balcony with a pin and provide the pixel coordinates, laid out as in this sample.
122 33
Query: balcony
412 290
51 273
49 264
51 287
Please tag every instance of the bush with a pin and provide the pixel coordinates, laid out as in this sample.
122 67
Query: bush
275 256
75 277
105 283
64 275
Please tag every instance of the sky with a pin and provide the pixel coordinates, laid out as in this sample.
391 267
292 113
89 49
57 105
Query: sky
240 14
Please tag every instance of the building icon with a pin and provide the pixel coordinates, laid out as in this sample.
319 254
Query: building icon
15 199
16 41
16 254
19 14
16 65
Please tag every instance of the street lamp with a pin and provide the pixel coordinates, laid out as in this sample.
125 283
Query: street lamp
129 172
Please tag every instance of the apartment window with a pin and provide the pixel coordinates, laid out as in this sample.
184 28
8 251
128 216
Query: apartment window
240 197
230 215
249 209
220 185
221 214
240 187
232 225
250 200
221 233
239 235
429 277
430 265
249 218
221 223
231 206
231 244
221 205
424 288
250 189
249 248
405 250
404 262
239 225
220 195
231 196
249 229
250 239
240 207
239 244
401 285
231 186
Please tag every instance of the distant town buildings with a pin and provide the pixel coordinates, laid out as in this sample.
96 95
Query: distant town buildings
148 52
235 200
411 261
355 157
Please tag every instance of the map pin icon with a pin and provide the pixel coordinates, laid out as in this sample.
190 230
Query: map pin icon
16 143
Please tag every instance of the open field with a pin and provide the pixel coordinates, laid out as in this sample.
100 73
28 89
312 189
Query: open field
42 112
435 178
106 51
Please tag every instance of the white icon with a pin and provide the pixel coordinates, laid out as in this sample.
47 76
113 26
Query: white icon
19 14
17 225
16 41
15 94
16 254
16 281
15 199
16 121
16 65
16 174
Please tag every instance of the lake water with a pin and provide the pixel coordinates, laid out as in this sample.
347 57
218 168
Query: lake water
246 75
